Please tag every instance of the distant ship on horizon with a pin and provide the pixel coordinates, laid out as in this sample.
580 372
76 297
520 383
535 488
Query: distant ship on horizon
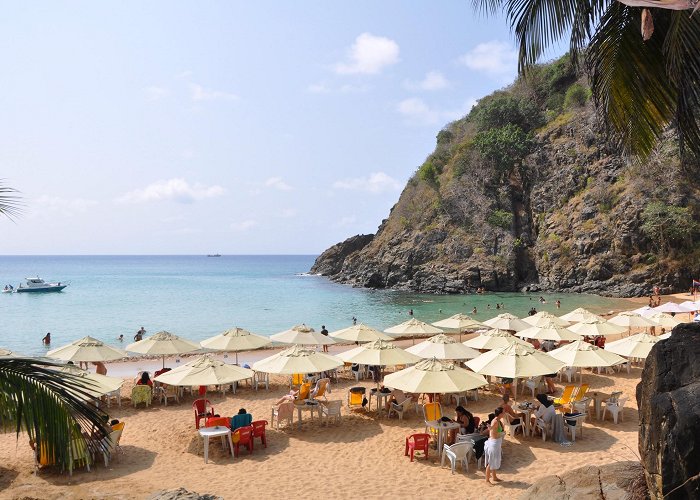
214 255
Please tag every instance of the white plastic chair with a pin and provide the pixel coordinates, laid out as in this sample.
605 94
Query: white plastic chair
457 452
512 428
577 425
533 383
459 396
261 378
400 408
583 406
331 409
543 426
110 445
615 407
117 394
285 411
471 438
569 372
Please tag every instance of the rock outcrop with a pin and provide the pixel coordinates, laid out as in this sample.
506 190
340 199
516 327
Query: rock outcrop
669 415
182 494
570 214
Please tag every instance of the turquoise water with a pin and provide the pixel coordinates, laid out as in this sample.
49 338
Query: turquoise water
197 297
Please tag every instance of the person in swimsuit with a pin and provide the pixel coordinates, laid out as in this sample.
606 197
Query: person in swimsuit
492 448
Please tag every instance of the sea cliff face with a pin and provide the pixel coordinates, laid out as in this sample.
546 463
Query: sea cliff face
526 193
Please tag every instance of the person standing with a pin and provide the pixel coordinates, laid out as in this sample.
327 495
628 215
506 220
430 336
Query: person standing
47 338
325 333
492 448
139 334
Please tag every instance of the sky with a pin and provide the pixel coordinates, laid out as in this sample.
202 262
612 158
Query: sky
232 127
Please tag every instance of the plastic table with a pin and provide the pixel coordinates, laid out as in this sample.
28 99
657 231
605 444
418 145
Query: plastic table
208 432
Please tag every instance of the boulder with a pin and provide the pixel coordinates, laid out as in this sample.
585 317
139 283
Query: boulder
182 494
669 415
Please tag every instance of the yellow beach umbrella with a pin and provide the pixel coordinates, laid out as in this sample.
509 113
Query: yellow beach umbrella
443 347
235 339
359 333
302 335
163 344
296 359
432 376
549 331
204 370
543 318
507 321
494 339
86 349
378 353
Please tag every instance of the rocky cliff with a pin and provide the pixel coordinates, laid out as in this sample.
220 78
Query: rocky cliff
525 192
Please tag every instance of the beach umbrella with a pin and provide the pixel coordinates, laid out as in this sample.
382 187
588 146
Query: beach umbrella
412 328
580 354
645 311
665 320
235 339
378 353
7 353
163 344
507 321
434 377
443 347
634 346
494 339
543 318
672 307
579 315
205 370
296 359
549 331
86 349
691 306
630 319
97 385
302 335
459 322
359 333
515 361
595 328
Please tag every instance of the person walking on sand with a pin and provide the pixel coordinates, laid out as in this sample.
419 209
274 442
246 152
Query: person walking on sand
47 338
492 448
324 332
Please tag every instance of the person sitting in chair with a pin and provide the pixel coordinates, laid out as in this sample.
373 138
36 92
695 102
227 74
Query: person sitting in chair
242 419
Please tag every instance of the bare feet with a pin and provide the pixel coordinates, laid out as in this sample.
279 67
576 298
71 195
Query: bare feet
489 483
497 479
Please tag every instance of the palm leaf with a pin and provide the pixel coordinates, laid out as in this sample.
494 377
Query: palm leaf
10 204
48 405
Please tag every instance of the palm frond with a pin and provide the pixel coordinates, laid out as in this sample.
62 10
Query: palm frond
10 201
50 406
628 78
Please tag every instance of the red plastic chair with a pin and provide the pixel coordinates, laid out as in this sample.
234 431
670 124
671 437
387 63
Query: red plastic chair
202 409
420 442
245 438
222 421
259 431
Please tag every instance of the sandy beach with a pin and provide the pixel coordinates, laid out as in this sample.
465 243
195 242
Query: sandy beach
362 455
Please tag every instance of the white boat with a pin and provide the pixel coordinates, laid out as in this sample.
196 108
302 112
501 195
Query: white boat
39 285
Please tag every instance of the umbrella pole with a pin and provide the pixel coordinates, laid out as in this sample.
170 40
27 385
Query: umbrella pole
163 360
236 357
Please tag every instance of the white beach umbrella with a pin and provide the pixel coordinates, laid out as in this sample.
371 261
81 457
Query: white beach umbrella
584 355
86 349
672 307
459 323
302 335
507 321
549 331
665 320
580 315
235 339
96 385
595 328
635 346
163 344
515 361
494 339
434 377
296 359
378 353
359 333
630 319
691 306
204 370
645 311
544 318
412 328
443 347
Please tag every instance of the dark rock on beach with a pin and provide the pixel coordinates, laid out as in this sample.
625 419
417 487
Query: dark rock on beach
182 494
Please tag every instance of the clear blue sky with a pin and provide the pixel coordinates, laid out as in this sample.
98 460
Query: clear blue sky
232 127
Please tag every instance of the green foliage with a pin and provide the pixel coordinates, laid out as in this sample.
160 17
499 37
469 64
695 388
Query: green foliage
500 218
429 172
668 225
502 108
444 137
506 147
576 95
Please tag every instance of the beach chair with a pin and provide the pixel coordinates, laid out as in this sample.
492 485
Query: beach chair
141 394
259 431
110 444
304 391
545 427
565 398
322 386
243 437
402 407
116 394
582 406
615 407
285 411
166 392
331 409
78 454
533 383
457 452
432 412
356 396
297 379
471 439
202 410
580 393
569 372
241 420
574 422
512 428
218 421
260 378
417 442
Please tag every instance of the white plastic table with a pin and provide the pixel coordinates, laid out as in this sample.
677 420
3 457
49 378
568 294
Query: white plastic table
381 399
442 428
311 408
219 430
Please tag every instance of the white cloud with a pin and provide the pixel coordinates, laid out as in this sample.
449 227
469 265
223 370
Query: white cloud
417 112
244 225
369 55
278 183
434 80
375 183
154 93
200 93
63 206
494 58
174 190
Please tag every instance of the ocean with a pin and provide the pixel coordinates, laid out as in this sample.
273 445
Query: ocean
198 297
